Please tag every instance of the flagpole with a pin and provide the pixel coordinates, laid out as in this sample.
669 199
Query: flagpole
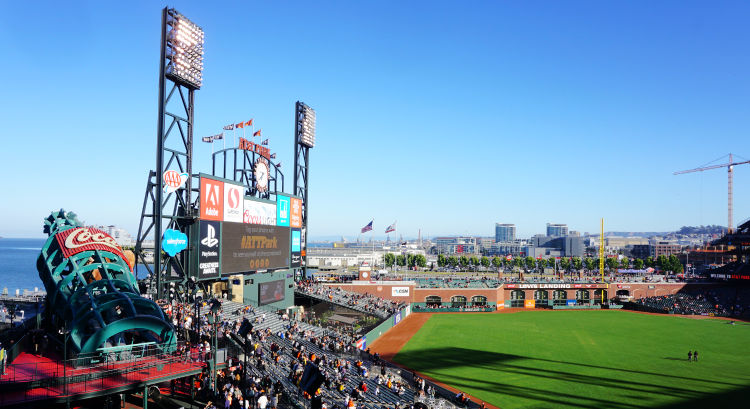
234 136
223 142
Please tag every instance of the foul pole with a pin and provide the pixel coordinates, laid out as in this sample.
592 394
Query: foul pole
601 256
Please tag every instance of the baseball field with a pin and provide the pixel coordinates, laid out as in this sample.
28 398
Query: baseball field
585 359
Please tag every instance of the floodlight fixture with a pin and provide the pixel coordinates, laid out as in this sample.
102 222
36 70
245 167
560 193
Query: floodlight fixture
184 50
306 118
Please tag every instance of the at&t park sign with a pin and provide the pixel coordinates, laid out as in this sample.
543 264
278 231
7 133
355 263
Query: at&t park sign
255 147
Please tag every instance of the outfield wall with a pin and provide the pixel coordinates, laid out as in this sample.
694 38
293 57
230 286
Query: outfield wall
384 326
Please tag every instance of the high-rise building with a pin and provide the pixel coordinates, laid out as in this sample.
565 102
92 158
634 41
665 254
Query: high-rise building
558 230
505 232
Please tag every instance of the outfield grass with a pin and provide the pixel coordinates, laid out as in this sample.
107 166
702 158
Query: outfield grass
585 359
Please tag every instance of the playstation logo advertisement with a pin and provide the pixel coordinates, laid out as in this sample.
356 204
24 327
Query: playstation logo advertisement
208 249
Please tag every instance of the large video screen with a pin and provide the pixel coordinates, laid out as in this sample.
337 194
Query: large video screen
251 247
270 292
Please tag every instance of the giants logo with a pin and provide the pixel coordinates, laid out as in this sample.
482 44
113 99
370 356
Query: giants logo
80 239
233 198
212 194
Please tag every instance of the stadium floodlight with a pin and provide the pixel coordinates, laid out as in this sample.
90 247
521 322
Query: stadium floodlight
307 126
184 50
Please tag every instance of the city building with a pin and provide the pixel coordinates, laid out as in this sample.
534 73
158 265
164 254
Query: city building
505 232
559 230
555 246
456 245
655 248
121 236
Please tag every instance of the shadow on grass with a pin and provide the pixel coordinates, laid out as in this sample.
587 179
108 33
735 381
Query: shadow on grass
621 394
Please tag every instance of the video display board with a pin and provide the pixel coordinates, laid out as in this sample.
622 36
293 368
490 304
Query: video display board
270 292
250 247
208 250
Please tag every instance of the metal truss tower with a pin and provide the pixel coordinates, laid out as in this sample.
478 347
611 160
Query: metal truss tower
304 139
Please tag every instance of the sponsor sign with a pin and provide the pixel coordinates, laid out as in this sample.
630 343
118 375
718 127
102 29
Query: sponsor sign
295 219
362 343
212 199
80 239
529 303
622 286
397 318
256 212
399 291
173 180
174 241
208 249
283 204
554 286
234 196
570 302
296 245
252 247
270 292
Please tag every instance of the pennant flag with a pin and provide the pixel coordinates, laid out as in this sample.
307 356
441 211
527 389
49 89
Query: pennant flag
265 142
256 133
208 139
249 123
368 227
273 155
240 125
278 165
219 136
229 127
391 228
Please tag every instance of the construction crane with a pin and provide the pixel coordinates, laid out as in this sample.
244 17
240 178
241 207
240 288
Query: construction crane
730 196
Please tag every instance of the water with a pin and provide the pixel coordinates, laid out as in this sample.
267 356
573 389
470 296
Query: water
18 264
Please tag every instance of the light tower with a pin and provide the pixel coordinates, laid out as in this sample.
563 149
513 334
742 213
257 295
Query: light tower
304 139
169 186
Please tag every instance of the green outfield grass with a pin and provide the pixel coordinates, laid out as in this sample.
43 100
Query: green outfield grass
585 359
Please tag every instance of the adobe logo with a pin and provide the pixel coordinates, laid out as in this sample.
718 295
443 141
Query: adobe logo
212 194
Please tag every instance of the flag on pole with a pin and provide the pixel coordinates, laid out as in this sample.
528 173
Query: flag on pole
273 155
219 136
391 228
208 139
368 227
265 142
278 165
256 133
249 123
240 125
229 127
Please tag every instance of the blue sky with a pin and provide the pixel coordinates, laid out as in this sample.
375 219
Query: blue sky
445 116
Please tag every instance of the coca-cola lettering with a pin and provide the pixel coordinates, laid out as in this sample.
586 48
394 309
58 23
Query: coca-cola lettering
80 239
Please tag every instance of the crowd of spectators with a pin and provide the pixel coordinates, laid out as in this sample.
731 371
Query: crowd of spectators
366 303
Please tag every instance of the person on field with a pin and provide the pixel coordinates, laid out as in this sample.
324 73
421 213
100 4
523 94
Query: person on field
695 356
690 356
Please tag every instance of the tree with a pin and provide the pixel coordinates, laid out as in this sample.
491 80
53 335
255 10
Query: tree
528 263
474 261
577 263
674 264
401 260
565 263
464 261
590 264
497 262
485 262
420 260
453 261
389 259
624 263
441 260
638 264
612 263
662 262
650 262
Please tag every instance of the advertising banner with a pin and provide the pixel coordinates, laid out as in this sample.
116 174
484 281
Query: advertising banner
296 248
233 202
283 204
208 250
397 318
256 212
270 292
529 303
399 291
570 302
296 212
212 199
252 247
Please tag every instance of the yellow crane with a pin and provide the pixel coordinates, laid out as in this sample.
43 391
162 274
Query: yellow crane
730 174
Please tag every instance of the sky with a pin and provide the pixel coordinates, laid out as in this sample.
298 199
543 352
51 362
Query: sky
445 116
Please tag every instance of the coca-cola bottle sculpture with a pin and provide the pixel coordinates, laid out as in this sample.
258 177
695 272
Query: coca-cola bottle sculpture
92 291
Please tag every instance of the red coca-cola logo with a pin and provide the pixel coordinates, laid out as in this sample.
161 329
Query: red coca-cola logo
80 239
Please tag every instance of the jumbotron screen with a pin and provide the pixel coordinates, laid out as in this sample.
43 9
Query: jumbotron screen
270 292
252 247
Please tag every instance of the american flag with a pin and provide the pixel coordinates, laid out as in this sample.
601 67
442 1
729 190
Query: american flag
229 127
368 227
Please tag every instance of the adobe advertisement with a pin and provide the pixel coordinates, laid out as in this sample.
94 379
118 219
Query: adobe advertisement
283 210
233 202
252 247
256 212
208 249
296 212
270 292
212 199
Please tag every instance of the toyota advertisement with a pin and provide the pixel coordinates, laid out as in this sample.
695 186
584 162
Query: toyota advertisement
251 247
208 250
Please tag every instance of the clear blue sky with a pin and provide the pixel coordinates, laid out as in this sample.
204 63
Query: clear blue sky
445 116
